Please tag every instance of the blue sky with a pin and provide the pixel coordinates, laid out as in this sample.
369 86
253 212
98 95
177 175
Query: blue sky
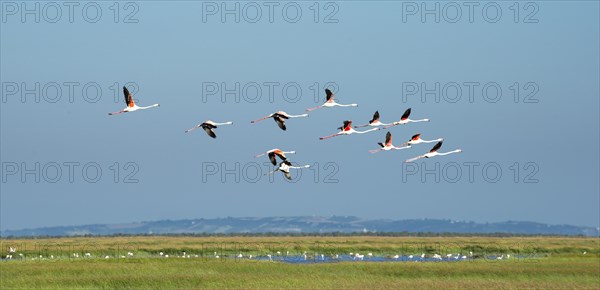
369 54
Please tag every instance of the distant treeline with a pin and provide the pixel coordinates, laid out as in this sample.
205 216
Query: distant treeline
332 234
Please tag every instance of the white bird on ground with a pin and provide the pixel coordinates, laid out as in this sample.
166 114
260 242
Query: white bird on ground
396 256
131 106
433 152
330 102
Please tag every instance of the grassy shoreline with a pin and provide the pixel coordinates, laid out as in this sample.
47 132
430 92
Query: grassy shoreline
559 265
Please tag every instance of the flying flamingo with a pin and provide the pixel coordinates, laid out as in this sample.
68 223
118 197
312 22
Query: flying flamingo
433 152
280 118
347 130
131 106
208 127
416 139
330 102
388 145
405 120
276 152
285 167
373 122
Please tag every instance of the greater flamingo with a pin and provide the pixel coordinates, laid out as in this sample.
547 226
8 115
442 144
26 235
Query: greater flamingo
131 106
347 130
388 145
330 102
405 120
276 152
373 122
285 167
433 152
280 118
208 127
416 139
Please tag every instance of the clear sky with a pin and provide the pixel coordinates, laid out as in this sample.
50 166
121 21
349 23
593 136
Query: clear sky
546 144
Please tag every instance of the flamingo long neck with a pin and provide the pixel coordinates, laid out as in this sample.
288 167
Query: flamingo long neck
148 107
347 105
300 167
289 152
431 141
449 152
416 121
226 123
366 131
401 147
297 116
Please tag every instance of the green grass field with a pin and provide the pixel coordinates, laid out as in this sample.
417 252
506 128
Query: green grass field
536 262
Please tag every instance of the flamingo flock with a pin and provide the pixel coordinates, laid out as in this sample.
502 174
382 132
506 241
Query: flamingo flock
280 118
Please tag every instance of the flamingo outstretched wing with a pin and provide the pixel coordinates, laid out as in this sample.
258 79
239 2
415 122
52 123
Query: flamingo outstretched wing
329 95
436 147
405 115
128 97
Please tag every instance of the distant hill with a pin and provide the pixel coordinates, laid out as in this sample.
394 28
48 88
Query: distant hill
307 225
